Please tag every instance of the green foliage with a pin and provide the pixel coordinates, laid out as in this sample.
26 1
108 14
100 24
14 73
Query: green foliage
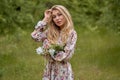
16 14
85 13
97 53
57 47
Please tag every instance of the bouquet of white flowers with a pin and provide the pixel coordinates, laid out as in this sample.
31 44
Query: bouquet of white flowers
53 50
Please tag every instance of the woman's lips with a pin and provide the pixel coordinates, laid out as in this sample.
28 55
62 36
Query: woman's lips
58 22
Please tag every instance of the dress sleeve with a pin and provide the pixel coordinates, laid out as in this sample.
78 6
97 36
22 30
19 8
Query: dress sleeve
39 34
68 49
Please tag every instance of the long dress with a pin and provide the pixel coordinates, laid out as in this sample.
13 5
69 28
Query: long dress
58 66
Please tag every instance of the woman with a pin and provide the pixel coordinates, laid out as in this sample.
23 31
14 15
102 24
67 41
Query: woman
60 31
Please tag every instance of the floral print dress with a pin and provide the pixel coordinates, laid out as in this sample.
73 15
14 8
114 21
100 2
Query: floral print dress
58 66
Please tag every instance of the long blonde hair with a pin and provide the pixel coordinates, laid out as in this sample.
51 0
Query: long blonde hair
53 31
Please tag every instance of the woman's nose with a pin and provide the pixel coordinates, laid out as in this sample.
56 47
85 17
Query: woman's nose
57 17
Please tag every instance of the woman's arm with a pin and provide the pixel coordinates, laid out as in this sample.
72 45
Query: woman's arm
68 49
38 33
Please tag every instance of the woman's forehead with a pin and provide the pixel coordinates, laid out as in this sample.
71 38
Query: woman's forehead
55 11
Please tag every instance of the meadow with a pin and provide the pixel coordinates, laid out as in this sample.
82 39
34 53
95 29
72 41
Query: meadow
97 52
96 57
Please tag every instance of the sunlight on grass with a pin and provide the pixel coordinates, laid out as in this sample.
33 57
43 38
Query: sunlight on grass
96 57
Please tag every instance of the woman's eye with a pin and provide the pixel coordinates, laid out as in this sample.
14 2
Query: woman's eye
53 16
59 14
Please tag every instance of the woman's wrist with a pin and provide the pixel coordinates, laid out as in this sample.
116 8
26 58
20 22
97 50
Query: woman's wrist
45 20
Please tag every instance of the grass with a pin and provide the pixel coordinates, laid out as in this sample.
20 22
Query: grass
97 56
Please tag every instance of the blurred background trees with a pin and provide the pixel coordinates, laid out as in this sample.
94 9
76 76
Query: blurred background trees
97 54
91 14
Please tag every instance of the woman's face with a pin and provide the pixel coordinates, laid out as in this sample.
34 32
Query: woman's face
58 18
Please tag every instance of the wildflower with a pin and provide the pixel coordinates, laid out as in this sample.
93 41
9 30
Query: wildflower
53 50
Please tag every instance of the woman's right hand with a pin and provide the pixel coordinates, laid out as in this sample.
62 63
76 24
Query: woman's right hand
47 15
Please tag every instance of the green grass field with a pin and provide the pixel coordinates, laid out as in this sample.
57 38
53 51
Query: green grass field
97 56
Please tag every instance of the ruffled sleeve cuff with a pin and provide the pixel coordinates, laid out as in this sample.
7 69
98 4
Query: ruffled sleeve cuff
41 25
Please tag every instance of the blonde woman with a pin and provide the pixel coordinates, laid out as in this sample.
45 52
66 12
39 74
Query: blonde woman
60 31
